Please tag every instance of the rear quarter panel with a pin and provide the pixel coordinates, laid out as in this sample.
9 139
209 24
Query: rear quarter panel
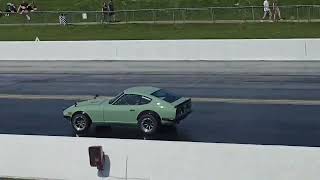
164 109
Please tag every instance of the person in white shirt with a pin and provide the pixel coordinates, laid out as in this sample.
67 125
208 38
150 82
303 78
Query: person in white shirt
266 9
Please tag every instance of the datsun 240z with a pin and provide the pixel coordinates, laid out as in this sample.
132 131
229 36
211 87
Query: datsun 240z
147 107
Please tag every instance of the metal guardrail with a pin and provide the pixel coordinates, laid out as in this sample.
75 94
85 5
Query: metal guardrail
292 13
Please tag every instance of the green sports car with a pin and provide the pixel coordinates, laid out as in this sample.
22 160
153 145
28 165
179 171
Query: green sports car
148 107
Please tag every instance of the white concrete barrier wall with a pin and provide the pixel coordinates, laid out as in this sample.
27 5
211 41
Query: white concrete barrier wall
67 158
313 49
256 49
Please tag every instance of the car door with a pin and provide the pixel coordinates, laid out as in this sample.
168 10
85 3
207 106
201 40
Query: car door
124 110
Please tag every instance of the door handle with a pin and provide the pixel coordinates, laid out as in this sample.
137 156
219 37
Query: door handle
132 110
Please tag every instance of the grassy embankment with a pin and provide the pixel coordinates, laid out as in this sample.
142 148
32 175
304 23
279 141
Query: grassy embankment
169 31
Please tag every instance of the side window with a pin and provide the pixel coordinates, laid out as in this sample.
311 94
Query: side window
129 99
144 100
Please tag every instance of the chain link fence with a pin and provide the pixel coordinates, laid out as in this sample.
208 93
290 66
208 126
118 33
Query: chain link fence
297 13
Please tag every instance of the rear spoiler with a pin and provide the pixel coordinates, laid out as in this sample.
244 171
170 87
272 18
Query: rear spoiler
181 101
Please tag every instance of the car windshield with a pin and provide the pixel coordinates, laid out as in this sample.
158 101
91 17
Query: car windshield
115 98
165 95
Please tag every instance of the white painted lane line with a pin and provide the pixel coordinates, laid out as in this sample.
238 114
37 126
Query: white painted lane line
194 99
45 97
259 101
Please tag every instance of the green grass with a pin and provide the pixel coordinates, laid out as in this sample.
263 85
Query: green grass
153 31
292 13
138 4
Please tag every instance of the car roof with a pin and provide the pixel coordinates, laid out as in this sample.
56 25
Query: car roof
141 90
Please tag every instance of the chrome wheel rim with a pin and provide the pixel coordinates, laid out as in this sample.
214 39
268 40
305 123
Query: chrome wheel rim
147 125
79 123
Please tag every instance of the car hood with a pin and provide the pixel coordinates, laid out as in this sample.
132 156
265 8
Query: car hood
70 110
91 102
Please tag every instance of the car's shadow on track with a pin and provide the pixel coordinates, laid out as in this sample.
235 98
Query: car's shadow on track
165 133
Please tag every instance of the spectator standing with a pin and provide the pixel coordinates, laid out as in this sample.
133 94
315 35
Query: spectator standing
276 10
111 11
23 9
105 12
266 9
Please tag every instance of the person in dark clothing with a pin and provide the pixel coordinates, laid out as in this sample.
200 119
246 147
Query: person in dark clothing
11 8
23 9
111 11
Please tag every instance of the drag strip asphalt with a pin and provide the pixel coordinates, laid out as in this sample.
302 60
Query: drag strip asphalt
274 103
210 122
232 86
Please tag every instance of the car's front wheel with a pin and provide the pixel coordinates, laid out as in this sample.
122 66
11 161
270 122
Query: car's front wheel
80 123
148 124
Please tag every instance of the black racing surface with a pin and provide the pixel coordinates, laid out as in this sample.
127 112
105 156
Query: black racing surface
210 122
244 85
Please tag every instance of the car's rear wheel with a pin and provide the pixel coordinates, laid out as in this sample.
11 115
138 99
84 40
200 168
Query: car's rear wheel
148 124
80 123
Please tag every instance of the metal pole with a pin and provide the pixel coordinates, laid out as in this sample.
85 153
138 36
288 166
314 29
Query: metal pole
126 16
45 18
309 14
183 16
243 14
212 18
319 13
298 13
239 10
70 16
213 15
132 15
173 16
252 10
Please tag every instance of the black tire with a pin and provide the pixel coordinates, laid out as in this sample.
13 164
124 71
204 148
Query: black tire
148 124
80 123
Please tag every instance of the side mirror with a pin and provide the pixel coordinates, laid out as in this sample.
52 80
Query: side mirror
97 158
